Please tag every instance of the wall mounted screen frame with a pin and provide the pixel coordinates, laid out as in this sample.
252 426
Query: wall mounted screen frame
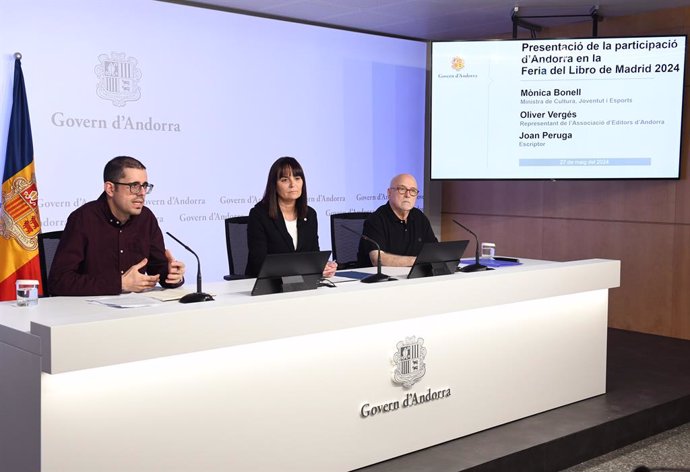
589 108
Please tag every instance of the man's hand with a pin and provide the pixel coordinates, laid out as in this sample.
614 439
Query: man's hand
135 281
175 269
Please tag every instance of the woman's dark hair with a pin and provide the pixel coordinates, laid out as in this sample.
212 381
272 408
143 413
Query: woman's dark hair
284 167
115 168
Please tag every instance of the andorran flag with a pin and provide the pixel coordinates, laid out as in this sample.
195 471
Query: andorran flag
19 219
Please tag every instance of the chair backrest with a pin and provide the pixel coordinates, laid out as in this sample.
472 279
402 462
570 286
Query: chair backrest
47 246
344 243
236 242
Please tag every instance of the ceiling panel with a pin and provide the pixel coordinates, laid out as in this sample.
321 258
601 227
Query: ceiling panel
434 19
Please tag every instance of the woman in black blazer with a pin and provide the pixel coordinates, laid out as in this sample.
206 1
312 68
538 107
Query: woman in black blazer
282 221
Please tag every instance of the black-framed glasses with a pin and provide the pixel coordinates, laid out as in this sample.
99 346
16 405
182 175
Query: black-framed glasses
137 187
402 190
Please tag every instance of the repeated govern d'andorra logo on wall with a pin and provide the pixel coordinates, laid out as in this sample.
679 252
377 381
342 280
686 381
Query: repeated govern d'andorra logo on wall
118 78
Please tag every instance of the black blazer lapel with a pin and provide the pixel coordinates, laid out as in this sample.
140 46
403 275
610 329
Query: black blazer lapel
302 233
307 239
281 229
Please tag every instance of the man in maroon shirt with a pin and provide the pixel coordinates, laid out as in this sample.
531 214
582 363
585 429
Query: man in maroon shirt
114 244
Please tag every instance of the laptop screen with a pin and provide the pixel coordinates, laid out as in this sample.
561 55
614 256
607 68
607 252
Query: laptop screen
440 258
290 272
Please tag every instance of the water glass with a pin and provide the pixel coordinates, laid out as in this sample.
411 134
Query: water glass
27 292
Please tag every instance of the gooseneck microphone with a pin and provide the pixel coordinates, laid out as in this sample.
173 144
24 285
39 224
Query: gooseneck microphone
378 276
476 267
197 296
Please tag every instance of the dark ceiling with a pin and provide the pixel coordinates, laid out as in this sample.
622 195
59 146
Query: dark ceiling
436 19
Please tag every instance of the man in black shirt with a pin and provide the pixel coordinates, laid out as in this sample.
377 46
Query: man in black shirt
398 227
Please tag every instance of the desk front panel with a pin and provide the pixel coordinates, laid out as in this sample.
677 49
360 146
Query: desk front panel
326 401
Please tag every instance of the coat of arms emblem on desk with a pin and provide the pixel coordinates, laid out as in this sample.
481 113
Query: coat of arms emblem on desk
409 361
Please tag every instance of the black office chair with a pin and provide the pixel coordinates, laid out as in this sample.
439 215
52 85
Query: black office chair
238 250
344 243
47 245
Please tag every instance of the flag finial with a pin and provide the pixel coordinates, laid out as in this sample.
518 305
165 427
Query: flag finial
18 55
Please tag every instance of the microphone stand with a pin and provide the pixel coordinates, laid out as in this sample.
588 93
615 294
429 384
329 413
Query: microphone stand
197 296
378 276
476 267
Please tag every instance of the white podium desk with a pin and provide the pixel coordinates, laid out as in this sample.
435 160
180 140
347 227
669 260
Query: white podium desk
297 381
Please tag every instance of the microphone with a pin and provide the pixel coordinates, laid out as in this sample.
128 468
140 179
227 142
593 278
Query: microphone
197 296
378 276
476 267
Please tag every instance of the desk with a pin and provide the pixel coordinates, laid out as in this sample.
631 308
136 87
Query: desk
296 381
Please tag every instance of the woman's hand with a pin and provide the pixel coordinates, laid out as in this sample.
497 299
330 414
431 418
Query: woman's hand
329 270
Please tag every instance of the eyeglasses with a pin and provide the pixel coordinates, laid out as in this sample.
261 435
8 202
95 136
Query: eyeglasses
402 190
136 187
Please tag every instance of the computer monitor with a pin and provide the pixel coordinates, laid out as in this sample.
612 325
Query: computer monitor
438 259
290 272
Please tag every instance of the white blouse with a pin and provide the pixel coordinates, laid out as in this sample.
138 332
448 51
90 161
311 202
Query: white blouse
292 230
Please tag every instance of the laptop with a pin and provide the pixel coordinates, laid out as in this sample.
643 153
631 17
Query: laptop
440 258
290 272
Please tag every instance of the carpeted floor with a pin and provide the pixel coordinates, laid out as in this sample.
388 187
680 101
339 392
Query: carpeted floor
667 450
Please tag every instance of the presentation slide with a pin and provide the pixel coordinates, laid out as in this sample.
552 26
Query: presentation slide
599 108
208 100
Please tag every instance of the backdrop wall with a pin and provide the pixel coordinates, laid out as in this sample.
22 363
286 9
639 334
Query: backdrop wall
208 100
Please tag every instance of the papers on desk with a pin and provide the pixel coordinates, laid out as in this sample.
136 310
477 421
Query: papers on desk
138 300
348 276
125 301
490 262
167 294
